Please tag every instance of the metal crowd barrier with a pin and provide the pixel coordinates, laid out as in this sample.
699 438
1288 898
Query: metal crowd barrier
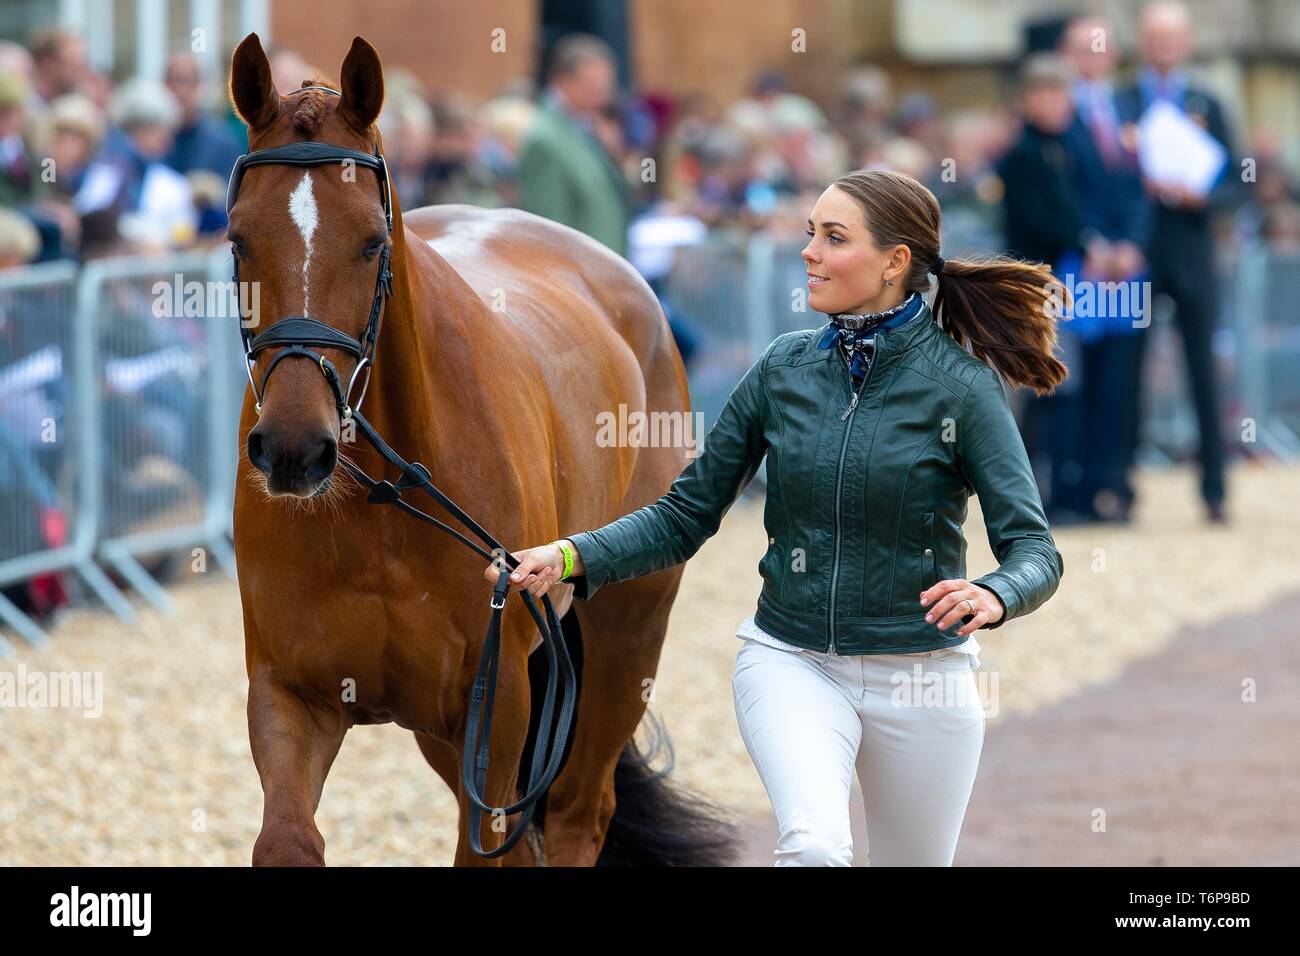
118 417
705 291
737 296
1268 288
49 428
167 409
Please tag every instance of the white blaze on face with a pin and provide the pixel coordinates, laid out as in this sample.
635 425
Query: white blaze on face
302 208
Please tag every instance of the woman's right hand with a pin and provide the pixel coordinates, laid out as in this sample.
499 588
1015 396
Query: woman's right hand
538 569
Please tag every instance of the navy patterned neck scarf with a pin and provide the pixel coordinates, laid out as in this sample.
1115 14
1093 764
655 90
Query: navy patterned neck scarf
856 334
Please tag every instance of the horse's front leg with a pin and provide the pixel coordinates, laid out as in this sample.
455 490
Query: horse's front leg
294 744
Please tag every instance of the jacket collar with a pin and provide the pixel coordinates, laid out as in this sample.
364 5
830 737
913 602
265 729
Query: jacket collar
881 322
891 342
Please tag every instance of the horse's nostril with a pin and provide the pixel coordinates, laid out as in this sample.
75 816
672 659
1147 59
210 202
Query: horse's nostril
257 453
322 465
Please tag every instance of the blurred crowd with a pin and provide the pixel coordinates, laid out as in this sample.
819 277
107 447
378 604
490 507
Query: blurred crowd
95 168
89 169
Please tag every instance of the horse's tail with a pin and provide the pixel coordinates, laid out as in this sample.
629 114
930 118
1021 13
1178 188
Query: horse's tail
657 823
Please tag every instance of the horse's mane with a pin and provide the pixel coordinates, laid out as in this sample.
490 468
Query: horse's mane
312 106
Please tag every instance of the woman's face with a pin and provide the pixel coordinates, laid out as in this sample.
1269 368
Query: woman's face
846 271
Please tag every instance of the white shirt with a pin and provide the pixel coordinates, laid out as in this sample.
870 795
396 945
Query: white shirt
748 630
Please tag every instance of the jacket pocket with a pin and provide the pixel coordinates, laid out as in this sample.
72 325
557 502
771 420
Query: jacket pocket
929 577
768 566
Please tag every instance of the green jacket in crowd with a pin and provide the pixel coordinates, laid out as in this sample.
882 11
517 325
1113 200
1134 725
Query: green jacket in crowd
567 176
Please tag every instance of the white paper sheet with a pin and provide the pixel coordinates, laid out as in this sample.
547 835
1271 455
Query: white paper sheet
1175 151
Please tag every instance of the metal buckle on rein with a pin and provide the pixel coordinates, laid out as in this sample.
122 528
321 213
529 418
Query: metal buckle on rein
499 590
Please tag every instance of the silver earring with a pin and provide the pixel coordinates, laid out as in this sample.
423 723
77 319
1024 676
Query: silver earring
889 282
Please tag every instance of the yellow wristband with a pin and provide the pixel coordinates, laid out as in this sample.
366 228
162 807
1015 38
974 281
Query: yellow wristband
568 558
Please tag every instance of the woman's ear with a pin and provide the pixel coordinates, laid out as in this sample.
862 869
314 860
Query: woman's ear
900 261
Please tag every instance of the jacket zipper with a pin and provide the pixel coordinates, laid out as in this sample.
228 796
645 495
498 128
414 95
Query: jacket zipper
839 480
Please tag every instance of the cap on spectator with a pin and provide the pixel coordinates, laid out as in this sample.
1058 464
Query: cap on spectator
19 241
144 102
13 90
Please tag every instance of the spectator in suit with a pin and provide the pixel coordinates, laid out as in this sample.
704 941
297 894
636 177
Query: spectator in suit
1116 224
1044 224
1180 250
565 173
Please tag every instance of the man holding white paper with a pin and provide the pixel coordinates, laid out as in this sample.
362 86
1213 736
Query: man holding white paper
1185 152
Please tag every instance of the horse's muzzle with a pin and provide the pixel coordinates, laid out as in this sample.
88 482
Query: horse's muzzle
297 468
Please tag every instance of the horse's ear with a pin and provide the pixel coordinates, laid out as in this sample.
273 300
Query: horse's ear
362 81
251 88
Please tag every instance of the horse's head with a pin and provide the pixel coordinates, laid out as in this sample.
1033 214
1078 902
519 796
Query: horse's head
310 222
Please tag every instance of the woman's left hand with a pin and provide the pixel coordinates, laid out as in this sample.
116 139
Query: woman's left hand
947 603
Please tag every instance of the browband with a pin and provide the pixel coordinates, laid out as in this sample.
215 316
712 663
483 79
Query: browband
310 154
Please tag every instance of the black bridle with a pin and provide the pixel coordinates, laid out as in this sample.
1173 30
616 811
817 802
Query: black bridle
295 336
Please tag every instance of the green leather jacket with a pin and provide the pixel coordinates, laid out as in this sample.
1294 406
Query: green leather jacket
865 503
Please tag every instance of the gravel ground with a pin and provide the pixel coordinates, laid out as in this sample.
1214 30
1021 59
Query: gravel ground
164 776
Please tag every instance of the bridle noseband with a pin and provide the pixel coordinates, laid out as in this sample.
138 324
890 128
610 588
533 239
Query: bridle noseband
295 334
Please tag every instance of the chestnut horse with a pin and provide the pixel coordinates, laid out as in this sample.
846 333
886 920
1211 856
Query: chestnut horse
504 337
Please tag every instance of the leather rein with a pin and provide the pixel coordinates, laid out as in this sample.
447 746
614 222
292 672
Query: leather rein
300 336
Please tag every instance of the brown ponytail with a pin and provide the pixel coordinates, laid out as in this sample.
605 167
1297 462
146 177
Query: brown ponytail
1002 310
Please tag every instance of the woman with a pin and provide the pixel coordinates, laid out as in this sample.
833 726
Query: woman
878 427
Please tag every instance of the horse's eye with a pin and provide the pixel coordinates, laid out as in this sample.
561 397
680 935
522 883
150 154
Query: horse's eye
237 247
372 248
